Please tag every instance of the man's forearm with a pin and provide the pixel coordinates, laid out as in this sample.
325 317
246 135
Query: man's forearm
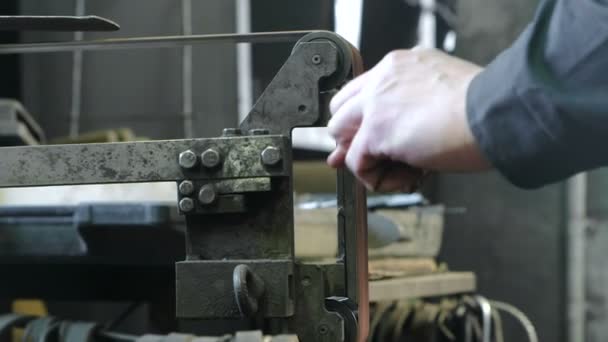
540 110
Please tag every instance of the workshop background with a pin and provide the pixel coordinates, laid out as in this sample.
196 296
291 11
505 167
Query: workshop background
521 244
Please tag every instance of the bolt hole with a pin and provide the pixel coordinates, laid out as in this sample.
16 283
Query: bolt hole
323 329
302 109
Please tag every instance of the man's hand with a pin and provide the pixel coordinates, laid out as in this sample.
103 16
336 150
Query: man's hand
408 111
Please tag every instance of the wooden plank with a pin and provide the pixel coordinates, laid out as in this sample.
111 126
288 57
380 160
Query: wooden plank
401 267
435 285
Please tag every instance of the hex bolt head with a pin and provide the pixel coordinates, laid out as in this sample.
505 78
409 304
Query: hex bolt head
207 194
186 205
186 188
211 158
271 156
187 159
259 131
231 132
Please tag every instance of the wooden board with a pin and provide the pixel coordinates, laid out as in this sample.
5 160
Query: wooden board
441 284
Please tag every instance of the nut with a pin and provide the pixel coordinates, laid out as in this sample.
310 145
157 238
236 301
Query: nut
187 159
186 188
259 131
231 132
207 194
271 156
186 205
211 158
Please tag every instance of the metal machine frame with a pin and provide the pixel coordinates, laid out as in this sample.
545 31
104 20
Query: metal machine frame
236 192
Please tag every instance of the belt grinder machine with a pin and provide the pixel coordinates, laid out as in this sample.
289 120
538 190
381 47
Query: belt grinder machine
236 194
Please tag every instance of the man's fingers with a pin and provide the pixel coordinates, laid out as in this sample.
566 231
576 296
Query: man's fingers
351 89
337 158
346 121
360 162
396 177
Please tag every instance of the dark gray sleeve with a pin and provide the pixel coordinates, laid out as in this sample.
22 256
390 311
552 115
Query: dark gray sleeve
539 111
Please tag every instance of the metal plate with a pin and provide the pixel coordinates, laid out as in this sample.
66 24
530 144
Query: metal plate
205 291
287 103
136 162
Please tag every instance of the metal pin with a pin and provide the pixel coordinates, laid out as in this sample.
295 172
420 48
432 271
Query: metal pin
231 132
259 131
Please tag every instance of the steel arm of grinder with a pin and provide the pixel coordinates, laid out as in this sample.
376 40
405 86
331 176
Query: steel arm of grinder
218 176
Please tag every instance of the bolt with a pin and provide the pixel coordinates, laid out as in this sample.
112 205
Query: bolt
259 131
316 59
187 159
211 158
186 205
207 194
271 156
231 132
186 188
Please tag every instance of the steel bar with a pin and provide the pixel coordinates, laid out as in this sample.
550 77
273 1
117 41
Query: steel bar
135 162
244 60
152 42
56 23
77 65
576 263
187 67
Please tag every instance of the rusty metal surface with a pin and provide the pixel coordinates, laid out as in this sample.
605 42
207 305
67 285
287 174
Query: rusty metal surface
206 288
312 321
236 193
154 161
57 23
287 103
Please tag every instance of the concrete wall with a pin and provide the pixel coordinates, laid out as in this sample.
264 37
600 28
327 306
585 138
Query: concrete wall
140 89
512 239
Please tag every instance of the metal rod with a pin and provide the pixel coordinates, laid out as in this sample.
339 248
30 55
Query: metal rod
427 28
76 101
576 202
152 42
486 318
244 60
187 69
